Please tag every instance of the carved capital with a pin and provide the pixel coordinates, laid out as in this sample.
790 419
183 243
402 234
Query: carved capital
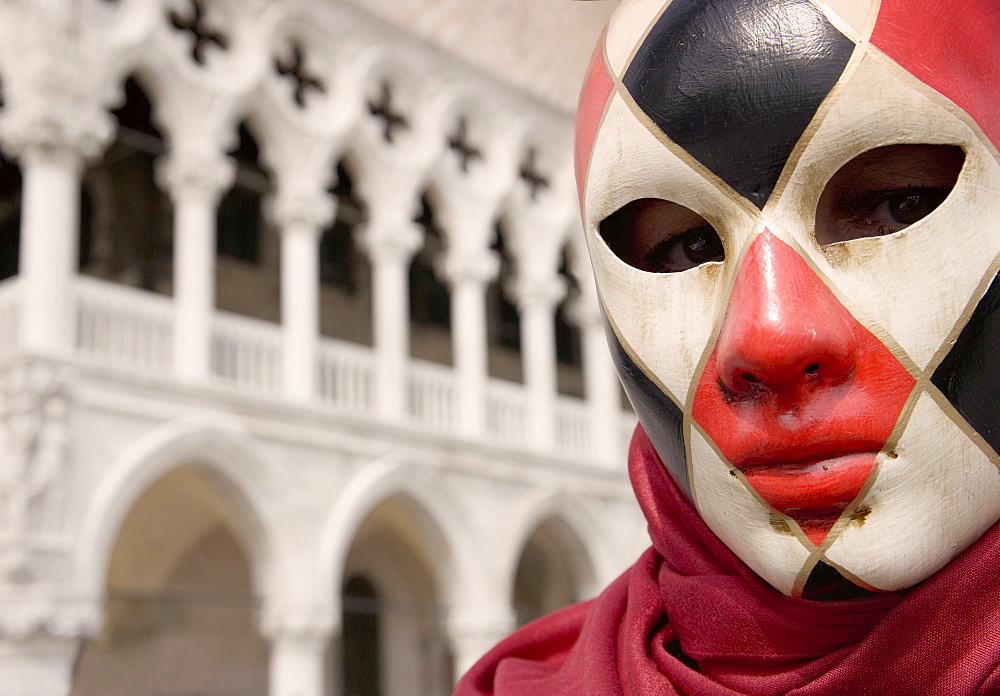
384 242
55 127
307 210
195 174
297 622
537 292
584 309
481 625
479 267
22 618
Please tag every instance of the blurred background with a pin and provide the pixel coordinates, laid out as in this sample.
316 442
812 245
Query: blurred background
303 383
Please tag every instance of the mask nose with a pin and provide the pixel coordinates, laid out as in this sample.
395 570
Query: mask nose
785 333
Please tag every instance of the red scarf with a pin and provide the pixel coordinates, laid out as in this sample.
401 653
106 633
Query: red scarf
691 618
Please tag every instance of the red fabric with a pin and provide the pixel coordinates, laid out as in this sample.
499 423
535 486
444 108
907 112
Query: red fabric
689 600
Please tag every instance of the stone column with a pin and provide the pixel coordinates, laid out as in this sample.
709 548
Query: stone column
39 643
196 182
390 247
299 636
468 274
37 666
601 383
475 630
52 134
301 219
537 296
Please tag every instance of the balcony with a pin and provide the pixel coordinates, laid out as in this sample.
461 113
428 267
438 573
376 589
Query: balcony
132 331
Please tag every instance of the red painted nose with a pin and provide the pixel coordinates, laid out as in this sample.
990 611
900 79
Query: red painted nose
785 332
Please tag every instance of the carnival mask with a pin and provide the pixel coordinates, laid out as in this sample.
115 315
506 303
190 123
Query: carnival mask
793 212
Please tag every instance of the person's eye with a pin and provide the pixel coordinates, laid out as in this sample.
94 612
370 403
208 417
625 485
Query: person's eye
892 211
687 250
661 237
885 190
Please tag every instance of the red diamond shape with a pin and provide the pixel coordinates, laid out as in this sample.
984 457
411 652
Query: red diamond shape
797 394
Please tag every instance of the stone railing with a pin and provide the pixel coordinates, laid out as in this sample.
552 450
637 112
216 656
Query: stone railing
431 396
132 330
246 353
123 326
573 427
347 377
506 413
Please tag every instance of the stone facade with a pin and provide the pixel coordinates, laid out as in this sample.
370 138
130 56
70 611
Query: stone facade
207 486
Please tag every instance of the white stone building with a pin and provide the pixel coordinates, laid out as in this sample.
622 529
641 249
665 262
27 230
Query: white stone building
303 382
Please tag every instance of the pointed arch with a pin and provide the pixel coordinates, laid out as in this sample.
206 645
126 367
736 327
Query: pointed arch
217 446
583 538
444 526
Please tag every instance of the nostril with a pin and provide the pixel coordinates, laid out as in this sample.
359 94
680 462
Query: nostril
812 369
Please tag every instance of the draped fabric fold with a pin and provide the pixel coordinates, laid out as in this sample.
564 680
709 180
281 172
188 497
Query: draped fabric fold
691 618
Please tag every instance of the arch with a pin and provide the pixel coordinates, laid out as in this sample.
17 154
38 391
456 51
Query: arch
217 446
378 481
593 570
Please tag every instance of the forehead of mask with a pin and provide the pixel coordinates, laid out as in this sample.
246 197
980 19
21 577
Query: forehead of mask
930 278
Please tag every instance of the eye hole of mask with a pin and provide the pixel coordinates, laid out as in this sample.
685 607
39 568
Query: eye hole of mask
658 236
886 190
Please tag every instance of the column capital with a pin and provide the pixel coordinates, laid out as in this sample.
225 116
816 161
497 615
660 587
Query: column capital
474 631
51 106
541 292
303 210
22 618
58 124
305 622
400 241
190 173
466 620
585 312
479 266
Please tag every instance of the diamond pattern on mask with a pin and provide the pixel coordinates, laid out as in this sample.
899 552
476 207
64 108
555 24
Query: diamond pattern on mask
934 493
826 583
796 393
953 52
742 124
597 89
660 416
762 538
969 376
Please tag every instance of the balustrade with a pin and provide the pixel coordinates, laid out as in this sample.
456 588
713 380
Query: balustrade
246 353
413 121
506 413
124 327
574 427
432 396
347 377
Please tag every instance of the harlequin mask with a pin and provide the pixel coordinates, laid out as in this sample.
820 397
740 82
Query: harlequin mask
793 212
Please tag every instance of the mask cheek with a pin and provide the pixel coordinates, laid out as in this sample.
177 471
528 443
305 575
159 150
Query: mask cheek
929 502
658 326
762 539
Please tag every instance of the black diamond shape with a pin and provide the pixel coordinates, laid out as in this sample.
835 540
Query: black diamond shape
826 584
661 418
736 82
969 376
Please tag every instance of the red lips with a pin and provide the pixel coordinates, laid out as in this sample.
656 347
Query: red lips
797 394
